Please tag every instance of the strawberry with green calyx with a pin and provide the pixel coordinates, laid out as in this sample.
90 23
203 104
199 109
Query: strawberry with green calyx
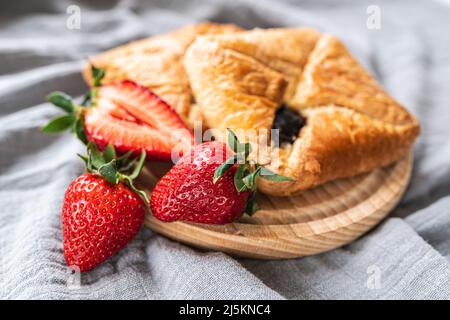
126 115
247 173
102 209
202 188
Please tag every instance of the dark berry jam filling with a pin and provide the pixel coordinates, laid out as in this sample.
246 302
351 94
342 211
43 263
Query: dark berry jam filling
288 122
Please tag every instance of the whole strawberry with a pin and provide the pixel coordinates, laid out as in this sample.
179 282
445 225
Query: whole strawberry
102 209
211 184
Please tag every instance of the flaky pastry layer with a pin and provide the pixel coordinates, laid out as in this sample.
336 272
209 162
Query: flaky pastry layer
352 124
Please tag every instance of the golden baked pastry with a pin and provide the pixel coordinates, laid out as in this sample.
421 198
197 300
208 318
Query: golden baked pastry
352 125
156 63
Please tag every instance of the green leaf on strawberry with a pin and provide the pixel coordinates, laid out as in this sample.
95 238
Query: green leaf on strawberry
114 170
78 128
238 176
61 100
224 167
251 206
250 179
74 119
138 167
95 156
59 124
270 175
247 149
109 153
109 172
123 162
233 141
247 173
97 74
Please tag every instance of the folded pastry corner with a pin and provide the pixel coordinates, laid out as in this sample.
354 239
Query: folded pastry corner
156 62
352 125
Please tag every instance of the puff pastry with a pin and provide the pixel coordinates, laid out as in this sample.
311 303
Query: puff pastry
352 125
156 63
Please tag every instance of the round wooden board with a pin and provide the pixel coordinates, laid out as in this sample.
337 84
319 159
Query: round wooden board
315 221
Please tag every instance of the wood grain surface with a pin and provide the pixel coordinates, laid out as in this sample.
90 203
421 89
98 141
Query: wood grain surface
315 221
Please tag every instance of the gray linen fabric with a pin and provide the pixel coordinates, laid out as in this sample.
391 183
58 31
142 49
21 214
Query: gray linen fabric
405 257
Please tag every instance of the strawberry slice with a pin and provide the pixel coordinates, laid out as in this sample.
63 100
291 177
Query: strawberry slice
131 117
126 115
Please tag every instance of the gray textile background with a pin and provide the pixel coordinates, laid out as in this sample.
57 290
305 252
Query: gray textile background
410 55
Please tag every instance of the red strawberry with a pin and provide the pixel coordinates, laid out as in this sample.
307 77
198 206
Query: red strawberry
203 188
128 116
102 210
98 220
188 193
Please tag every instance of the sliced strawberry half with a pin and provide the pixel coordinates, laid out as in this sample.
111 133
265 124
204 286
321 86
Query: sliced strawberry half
131 117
